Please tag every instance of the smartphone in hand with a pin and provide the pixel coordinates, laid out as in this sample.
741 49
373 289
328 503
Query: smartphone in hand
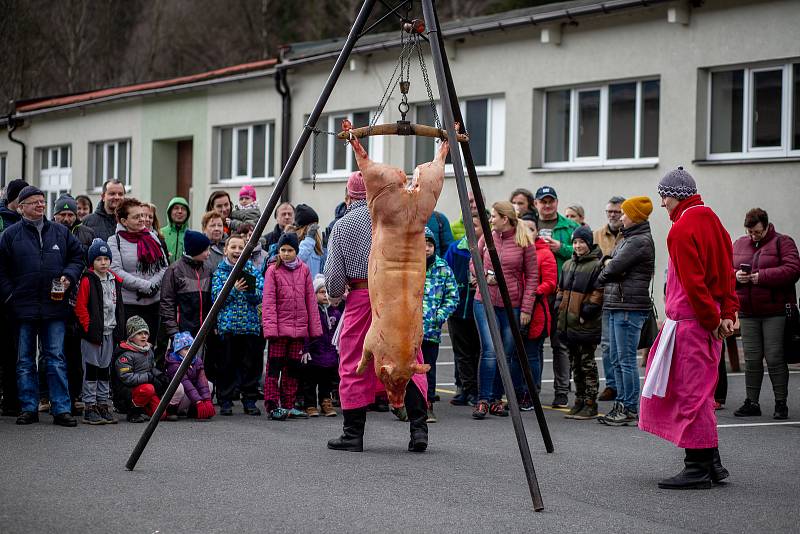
746 268
250 280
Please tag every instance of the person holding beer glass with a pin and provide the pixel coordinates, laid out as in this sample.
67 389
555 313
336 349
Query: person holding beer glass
39 262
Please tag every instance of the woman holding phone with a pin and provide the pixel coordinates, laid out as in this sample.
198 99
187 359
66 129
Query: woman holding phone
767 268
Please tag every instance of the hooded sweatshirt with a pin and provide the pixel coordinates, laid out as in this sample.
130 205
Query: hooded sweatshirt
173 232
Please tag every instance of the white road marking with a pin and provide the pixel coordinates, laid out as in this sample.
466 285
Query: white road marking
737 425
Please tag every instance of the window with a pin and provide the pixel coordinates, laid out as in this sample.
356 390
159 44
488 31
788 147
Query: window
484 119
3 169
754 112
613 124
246 152
333 158
55 157
111 160
55 173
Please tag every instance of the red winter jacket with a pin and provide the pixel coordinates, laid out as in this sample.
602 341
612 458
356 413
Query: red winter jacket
548 284
777 263
289 306
519 269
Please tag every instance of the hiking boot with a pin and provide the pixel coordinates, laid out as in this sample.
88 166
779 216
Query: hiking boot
226 407
27 418
560 401
294 413
64 419
588 411
279 414
352 438
136 415
430 416
748 409
312 411
105 412
250 408
481 410
617 407
400 413
695 475
172 413
44 405
327 408
578 406
498 409
781 410
91 415
623 417
608 394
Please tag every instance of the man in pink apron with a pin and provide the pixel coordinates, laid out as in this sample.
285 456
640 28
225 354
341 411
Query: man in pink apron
346 267
678 396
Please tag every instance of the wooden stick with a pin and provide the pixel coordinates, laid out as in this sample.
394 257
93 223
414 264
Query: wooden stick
420 130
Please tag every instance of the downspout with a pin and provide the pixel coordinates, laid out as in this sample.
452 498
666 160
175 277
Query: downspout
282 86
12 125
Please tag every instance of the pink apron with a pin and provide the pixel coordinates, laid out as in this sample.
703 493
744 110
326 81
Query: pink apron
357 391
685 414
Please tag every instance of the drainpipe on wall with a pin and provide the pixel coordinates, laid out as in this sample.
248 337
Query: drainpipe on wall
12 125
282 86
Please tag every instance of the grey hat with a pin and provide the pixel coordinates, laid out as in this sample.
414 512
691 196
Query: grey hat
677 184
134 325
65 203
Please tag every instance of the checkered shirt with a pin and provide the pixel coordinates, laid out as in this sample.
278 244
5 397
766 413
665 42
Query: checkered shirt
348 248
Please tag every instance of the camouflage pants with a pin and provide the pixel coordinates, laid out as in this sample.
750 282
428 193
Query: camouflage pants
584 370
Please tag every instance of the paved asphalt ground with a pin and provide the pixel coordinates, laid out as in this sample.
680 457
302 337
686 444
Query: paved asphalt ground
246 474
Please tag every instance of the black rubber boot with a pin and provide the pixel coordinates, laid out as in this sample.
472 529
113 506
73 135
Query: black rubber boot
352 438
695 475
417 410
718 473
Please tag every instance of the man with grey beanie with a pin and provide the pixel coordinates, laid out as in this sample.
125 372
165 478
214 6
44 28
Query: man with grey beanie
65 211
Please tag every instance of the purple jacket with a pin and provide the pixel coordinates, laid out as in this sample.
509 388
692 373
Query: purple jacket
323 353
195 384
289 308
776 261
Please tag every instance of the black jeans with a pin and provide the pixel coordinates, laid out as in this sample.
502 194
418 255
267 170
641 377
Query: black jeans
430 353
466 351
317 383
239 367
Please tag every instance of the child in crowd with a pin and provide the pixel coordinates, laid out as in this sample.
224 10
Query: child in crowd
259 255
246 210
321 358
239 332
439 301
580 305
306 223
101 315
139 384
290 317
196 390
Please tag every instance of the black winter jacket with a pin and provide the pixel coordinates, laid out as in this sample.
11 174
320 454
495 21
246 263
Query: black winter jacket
580 301
8 217
28 267
102 223
627 276
185 295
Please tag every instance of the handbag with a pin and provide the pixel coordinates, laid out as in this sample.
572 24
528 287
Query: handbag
791 342
649 331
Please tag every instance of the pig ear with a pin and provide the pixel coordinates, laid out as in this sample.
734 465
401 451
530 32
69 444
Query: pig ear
420 368
386 371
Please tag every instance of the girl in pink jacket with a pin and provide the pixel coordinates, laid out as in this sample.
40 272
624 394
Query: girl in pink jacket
290 317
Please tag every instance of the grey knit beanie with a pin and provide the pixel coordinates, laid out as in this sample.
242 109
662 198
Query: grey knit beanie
677 184
134 325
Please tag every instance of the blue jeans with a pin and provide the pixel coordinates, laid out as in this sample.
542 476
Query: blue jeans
51 333
490 386
624 329
608 369
535 349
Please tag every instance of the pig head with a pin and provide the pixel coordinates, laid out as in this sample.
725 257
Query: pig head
400 210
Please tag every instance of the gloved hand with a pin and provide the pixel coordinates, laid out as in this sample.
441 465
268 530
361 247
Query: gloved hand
305 358
154 289
210 408
150 409
205 409
313 228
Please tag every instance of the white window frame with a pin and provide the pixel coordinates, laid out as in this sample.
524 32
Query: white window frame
787 108
601 160
495 133
49 150
97 182
375 146
269 150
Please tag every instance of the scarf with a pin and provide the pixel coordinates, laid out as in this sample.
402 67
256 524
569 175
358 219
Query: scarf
149 256
292 265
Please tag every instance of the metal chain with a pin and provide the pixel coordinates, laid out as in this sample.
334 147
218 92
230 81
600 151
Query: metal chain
427 82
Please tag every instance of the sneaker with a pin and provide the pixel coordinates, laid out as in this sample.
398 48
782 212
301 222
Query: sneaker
400 413
431 416
526 404
136 415
560 401
250 408
608 394
91 415
612 414
577 407
781 410
498 409
748 409
294 413
623 417
44 405
312 411
481 410
588 411
226 407
279 414
327 408
105 412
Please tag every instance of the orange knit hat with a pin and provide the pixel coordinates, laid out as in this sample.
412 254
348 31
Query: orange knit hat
638 209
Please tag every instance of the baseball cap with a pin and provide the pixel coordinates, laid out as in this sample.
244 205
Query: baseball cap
545 191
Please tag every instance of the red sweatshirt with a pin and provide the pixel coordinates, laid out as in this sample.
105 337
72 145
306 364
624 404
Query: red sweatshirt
702 253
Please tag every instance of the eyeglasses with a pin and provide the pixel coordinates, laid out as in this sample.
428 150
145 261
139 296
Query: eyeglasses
613 212
34 203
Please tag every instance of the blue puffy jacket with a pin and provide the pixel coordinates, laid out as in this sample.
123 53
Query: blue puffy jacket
28 267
